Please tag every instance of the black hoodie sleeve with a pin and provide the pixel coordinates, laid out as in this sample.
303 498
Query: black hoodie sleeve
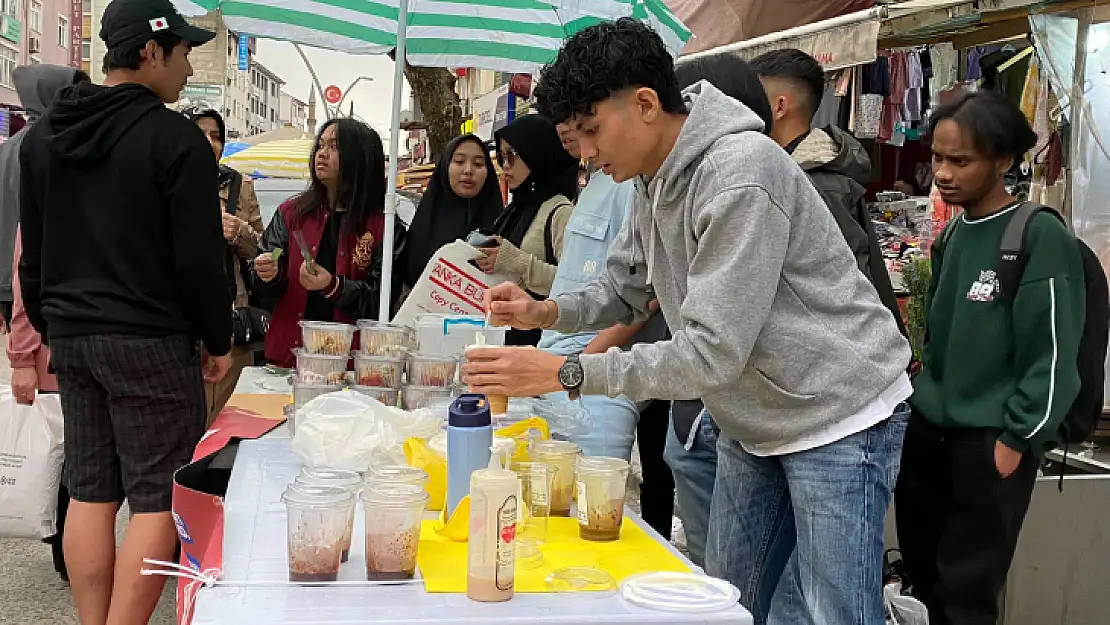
199 246
30 262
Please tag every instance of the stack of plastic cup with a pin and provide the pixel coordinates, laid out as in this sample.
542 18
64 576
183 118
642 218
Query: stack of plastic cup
349 480
317 527
394 513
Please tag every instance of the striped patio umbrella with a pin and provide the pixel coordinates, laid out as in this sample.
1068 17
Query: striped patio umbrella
517 36
501 35
274 159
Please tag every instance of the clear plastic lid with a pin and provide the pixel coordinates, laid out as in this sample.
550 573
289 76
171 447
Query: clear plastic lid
581 579
313 496
422 357
554 448
396 474
326 325
382 494
600 465
329 477
301 352
679 592
381 326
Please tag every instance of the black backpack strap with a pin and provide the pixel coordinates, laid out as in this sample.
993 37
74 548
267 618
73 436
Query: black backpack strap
233 192
548 242
1011 251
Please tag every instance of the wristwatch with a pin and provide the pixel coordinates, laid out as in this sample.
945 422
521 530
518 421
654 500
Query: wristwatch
571 376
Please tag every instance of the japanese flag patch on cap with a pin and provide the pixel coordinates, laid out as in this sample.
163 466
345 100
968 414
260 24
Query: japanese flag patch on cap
159 23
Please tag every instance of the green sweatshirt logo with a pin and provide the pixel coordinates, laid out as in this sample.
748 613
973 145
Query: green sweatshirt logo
985 288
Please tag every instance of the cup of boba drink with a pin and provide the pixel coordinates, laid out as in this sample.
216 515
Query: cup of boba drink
600 497
317 524
561 455
393 516
341 478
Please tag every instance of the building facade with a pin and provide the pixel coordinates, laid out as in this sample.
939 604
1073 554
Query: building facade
293 112
264 100
37 31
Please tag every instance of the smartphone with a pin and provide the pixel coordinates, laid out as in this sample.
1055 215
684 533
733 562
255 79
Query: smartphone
481 239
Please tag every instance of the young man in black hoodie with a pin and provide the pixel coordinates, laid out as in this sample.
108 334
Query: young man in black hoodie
835 162
122 271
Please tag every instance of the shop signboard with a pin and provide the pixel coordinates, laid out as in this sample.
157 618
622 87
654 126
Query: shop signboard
201 96
10 28
244 52
492 112
76 37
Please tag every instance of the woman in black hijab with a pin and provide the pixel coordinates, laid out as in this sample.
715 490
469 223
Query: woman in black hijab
462 196
544 179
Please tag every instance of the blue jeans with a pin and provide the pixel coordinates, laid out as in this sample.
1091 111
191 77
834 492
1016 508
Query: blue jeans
695 471
612 426
816 515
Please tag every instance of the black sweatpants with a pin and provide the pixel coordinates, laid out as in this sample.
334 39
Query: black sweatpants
959 520
657 491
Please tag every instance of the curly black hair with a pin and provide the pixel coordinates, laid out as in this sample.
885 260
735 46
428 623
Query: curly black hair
604 59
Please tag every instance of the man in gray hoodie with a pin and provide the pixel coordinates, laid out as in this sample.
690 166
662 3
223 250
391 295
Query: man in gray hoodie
36 86
774 327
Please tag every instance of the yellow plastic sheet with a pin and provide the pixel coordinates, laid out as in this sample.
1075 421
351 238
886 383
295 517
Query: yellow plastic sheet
443 561
523 433
419 455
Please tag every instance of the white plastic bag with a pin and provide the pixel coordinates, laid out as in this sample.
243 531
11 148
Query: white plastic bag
903 609
350 430
30 465
449 285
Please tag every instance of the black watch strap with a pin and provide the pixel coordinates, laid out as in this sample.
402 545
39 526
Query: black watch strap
572 376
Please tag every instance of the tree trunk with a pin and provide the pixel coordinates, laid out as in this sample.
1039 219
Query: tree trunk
434 90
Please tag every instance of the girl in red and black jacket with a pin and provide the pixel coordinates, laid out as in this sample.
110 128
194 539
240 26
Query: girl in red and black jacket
342 219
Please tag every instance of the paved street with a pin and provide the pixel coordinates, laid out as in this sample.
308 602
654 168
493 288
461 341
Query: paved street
31 593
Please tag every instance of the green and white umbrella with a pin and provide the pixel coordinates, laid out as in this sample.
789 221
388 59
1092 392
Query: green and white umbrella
517 36
502 35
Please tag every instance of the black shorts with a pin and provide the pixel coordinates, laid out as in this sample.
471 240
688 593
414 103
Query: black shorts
134 412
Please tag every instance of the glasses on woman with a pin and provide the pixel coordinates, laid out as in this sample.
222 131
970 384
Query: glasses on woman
506 157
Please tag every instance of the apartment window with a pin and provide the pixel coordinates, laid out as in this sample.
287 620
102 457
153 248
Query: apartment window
63 32
273 89
7 65
86 6
86 49
36 16
10 7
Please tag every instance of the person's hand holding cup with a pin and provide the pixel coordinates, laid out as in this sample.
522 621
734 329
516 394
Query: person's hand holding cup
509 305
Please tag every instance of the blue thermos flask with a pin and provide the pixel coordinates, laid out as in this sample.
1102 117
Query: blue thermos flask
469 438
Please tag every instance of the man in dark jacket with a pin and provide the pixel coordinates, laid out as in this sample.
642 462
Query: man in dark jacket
836 163
124 283
36 86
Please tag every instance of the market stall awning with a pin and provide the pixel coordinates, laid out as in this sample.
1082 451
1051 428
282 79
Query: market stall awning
838 42
276 159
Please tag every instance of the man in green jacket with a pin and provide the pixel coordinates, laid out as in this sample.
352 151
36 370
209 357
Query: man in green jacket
998 375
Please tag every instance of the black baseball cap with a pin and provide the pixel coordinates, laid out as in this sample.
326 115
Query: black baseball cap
131 23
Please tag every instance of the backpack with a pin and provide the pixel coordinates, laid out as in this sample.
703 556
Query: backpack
1082 419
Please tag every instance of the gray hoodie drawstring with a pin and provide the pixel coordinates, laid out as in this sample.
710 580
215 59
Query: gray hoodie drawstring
655 193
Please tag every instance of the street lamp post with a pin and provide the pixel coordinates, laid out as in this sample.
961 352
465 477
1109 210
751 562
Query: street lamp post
339 105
